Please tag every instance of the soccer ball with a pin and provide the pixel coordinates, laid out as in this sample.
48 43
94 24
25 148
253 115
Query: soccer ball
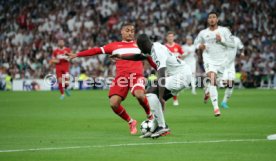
148 126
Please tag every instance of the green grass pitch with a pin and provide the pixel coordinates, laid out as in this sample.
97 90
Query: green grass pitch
83 127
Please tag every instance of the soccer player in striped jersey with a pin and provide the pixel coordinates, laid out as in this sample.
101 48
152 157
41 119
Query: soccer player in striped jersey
178 77
176 49
130 71
214 41
60 59
229 73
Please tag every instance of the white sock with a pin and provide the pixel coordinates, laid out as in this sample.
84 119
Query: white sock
156 109
193 83
214 96
227 94
130 121
207 88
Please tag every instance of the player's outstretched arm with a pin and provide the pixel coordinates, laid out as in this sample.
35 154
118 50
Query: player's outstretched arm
71 55
135 57
54 61
92 52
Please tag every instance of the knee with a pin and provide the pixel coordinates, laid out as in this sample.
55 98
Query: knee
114 104
140 96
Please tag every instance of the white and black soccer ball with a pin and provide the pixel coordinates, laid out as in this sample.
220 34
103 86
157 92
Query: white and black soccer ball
148 126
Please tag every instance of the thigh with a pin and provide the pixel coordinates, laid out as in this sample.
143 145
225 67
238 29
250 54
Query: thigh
178 82
119 87
137 83
167 93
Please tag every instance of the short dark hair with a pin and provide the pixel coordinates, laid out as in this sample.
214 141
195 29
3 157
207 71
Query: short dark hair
142 39
213 12
144 43
127 24
170 32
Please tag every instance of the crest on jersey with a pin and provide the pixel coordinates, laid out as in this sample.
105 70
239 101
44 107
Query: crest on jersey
135 45
175 50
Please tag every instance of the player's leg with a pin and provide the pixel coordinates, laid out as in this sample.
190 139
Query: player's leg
228 93
206 84
175 101
193 81
66 77
228 77
118 109
213 92
59 79
117 94
156 108
138 91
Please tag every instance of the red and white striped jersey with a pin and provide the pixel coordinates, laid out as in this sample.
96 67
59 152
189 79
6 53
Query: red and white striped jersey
175 49
122 47
63 59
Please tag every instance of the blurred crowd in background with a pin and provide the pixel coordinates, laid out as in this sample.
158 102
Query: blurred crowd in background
30 29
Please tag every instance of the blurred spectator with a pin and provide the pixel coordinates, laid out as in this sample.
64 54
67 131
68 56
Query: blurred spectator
29 31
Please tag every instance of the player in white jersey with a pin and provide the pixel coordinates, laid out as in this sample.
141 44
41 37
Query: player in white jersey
178 72
189 58
229 73
213 42
173 76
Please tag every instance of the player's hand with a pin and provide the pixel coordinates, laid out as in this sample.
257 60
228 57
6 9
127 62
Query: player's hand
53 61
242 55
218 37
163 103
71 55
202 47
115 56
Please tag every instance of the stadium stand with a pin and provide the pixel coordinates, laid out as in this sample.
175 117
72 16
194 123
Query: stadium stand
29 31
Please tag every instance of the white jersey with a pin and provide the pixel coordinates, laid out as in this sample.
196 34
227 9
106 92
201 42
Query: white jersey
189 52
233 51
162 57
215 52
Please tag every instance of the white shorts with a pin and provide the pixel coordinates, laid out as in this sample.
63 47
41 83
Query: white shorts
176 83
229 73
218 69
192 65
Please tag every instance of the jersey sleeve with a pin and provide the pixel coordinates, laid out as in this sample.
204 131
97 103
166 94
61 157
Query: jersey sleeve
107 49
181 52
159 56
240 44
90 52
68 50
152 64
54 54
226 38
198 40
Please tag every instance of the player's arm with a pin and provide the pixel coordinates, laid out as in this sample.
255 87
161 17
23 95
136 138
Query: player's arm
134 57
185 54
241 47
181 52
85 53
199 42
226 39
107 49
152 64
54 59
